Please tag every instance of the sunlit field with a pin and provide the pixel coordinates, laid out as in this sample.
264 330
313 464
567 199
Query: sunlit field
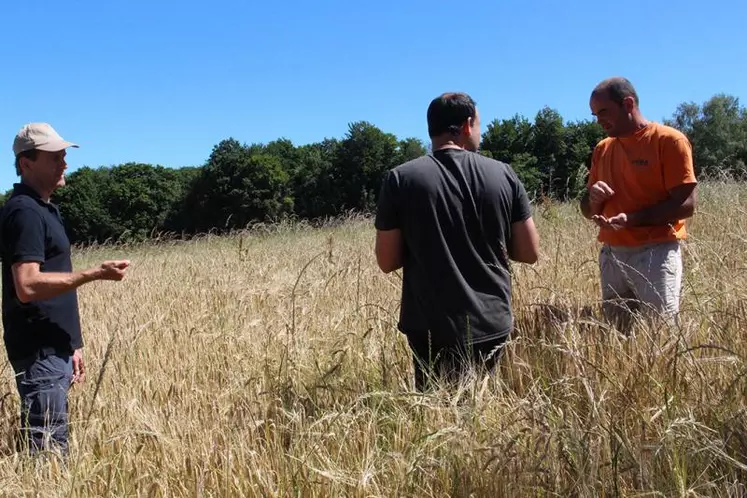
267 363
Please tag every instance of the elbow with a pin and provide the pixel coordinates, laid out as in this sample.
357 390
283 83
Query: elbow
688 209
387 261
384 265
388 267
526 252
585 207
24 295
585 210
529 257
26 290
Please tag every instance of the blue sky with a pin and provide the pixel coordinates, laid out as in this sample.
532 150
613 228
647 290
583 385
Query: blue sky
162 82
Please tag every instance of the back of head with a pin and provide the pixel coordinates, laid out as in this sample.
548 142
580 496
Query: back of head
448 112
452 117
616 89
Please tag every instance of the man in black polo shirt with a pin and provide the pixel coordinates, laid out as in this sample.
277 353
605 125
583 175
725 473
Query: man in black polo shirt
40 305
452 219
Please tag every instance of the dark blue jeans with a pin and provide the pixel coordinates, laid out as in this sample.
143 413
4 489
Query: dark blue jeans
43 381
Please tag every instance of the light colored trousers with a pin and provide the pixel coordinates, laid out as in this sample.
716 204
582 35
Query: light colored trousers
645 279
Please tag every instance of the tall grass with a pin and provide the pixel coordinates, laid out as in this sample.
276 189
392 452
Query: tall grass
267 363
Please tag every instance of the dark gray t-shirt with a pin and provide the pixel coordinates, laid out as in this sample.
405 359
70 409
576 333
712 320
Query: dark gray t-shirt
455 209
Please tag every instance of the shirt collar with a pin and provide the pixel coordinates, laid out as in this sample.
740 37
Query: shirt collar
23 189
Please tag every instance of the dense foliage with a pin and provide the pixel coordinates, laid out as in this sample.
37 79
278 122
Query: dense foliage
241 183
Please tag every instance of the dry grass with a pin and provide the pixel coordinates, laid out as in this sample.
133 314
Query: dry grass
269 365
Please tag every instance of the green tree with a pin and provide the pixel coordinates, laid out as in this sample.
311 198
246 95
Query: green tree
81 203
507 138
129 201
548 145
362 158
409 149
315 192
581 138
5 196
236 187
718 133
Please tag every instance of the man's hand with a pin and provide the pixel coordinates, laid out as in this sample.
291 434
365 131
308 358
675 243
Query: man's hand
113 270
599 193
79 367
592 202
615 222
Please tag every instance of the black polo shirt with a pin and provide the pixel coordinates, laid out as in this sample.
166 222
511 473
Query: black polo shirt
32 230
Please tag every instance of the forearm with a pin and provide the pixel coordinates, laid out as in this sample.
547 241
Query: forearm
392 263
48 285
589 209
663 213
528 256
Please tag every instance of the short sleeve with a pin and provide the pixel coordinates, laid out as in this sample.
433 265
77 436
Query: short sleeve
387 210
521 209
23 236
677 162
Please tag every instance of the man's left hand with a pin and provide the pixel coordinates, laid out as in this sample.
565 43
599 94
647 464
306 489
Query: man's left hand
79 367
614 222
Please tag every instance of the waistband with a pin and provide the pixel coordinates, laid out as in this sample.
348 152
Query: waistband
670 244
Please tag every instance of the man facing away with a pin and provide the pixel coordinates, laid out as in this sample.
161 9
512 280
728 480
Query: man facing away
641 189
41 323
452 219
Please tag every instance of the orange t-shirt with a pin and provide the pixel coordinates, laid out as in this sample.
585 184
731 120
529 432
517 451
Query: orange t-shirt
641 169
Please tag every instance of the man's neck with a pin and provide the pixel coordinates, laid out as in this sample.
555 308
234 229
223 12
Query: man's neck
44 195
637 124
448 144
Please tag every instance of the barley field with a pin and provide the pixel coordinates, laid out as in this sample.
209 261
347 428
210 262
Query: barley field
267 363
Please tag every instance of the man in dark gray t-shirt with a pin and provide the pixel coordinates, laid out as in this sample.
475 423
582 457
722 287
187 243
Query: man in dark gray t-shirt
452 220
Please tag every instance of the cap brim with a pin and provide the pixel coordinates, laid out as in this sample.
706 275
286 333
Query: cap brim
56 146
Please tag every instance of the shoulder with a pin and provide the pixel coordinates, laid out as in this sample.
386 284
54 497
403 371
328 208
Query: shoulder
20 204
21 210
604 144
488 161
490 165
669 134
413 166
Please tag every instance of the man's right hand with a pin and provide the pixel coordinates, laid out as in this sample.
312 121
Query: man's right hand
113 270
599 193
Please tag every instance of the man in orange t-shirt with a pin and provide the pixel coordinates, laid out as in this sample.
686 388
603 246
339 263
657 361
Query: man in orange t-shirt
641 189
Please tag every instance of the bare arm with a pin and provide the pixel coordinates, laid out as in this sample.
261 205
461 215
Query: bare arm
593 200
680 205
34 285
590 208
389 250
586 207
524 245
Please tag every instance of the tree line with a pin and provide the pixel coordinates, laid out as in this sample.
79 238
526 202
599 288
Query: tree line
243 183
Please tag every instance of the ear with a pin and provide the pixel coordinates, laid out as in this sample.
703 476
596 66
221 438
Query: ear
629 104
24 163
467 126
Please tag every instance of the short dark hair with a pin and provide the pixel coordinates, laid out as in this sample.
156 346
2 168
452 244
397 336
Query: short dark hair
617 89
26 154
448 112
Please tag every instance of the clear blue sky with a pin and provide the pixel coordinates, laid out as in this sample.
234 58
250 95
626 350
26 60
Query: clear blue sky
161 82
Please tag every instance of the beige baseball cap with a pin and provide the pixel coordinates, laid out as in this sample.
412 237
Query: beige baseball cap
39 136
